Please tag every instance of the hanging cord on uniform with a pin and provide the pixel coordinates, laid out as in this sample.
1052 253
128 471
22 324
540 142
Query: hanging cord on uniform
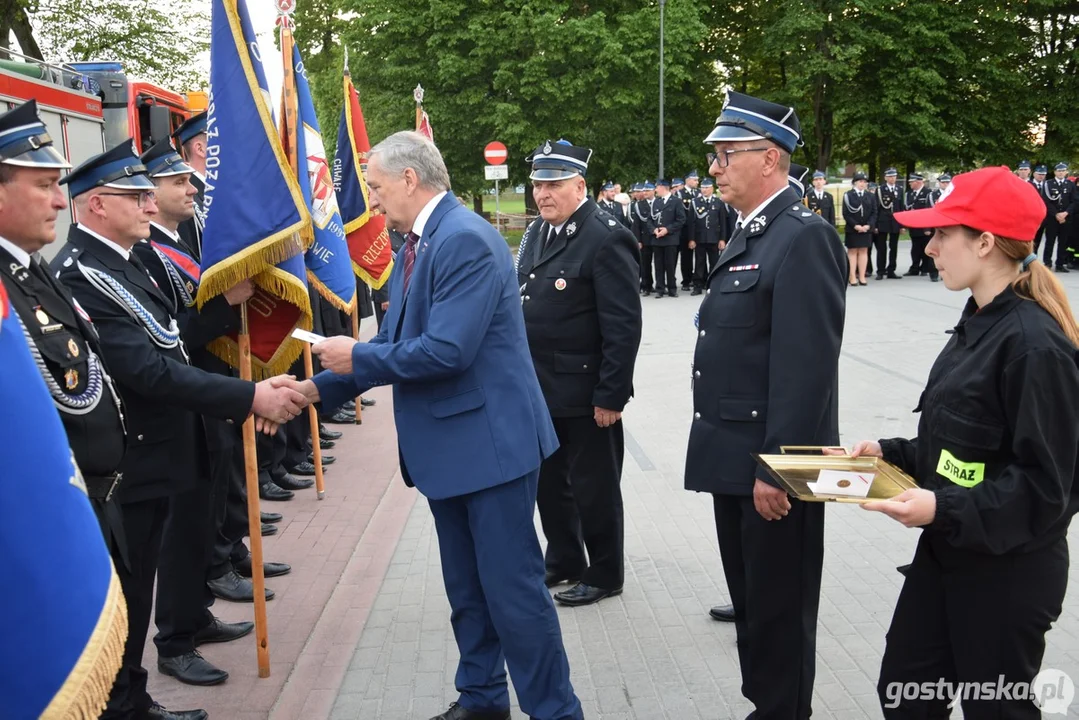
80 404
174 277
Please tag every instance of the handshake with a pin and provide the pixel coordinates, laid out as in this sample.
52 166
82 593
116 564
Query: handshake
280 399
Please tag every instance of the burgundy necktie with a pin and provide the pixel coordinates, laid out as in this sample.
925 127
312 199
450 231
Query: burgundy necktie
410 255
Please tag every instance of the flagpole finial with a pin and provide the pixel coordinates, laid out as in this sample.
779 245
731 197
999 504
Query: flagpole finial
418 94
285 8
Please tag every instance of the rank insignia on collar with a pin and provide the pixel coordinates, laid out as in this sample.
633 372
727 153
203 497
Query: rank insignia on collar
571 228
73 348
71 378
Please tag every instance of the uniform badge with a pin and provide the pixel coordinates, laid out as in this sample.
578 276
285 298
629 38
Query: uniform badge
190 287
42 317
571 228
73 348
547 148
71 378
560 284
611 223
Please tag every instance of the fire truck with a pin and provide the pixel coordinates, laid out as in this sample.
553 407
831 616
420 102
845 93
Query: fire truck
89 108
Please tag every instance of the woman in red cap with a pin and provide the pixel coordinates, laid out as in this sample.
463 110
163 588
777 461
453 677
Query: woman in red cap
995 460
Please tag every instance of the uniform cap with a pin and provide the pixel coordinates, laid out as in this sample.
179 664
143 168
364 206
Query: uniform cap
1040 169
796 178
608 185
558 160
1061 166
25 141
819 174
707 182
692 174
649 185
945 177
891 172
859 176
194 125
973 199
745 118
677 181
1024 165
162 160
664 183
117 168
915 176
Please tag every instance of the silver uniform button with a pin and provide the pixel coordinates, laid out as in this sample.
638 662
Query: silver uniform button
585 367
532 276
696 416
697 374
527 297
140 438
708 291
753 414
702 333
737 283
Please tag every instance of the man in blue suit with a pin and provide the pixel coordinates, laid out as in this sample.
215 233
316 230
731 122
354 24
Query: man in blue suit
472 429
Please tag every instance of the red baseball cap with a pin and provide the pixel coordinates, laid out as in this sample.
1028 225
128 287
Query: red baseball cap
992 199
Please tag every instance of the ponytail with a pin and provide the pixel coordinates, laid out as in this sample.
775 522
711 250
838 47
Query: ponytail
1038 283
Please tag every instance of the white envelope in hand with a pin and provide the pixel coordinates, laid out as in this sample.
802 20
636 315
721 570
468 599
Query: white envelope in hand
839 482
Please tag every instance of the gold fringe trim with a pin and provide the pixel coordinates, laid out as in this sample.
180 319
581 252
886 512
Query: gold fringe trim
86 690
375 283
253 260
329 295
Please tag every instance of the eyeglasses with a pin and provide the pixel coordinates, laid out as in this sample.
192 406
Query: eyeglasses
141 198
724 158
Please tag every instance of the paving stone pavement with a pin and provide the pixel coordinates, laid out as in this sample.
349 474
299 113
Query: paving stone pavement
653 652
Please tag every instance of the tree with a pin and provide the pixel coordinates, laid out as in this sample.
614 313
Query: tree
1054 72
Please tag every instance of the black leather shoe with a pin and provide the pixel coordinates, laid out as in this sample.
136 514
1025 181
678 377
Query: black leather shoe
327 434
156 712
365 402
723 613
290 482
1063 269
647 291
326 459
269 569
234 588
457 712
581 594
661 294
880 276
268 530
340 418
294 483
697 291
552 578
893 276
903 570
934 278
323 443
270 491
673 293
219 631
268 517
191 668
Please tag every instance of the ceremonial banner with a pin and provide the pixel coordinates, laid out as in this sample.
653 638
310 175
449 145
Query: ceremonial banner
368 241
257 223
425 126
328 266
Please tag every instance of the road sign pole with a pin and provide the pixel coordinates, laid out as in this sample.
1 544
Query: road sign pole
498 220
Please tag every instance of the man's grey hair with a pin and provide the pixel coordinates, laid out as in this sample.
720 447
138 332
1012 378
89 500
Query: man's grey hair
408 149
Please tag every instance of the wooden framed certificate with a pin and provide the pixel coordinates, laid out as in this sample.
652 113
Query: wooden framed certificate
809 475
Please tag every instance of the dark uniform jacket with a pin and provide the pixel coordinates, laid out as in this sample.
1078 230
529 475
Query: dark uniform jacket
198 327
686 195
918 201
765 365
1060 196
615 210
670 214
67 345
859 211
582 309
998 433
824 206
642 223
890 200
708 220
163 394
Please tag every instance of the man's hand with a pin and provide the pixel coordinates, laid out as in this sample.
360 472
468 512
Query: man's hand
861 228
867 448
606 418
335 354
240 292
722 245
1062 217
385 306
692 244
660 232
276 401
771 502
913 508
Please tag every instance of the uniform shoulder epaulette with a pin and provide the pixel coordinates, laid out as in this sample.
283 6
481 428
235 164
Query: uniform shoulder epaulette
803 214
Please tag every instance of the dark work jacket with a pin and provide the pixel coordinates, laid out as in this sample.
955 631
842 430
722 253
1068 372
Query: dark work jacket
671 215
825 207
1060 196
198 327
919 201
890 201
708 220
998 433
64 342
582 309
163 394
765 368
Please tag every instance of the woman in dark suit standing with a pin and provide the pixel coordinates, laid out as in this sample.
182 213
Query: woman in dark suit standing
860 214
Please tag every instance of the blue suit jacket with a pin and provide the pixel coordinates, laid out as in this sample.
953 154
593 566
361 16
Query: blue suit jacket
469 411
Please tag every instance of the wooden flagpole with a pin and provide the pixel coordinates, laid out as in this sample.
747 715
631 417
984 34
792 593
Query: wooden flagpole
356 335
254 518
312 414
417 94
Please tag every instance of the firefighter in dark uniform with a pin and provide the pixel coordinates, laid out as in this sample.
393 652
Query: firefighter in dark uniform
886 240
708 232
686 254
191 138
860 216
820 200
919 197
163 395
994 459
614 209
1038 181
765 375
577 267
944 181
643 227
668 219
1061 202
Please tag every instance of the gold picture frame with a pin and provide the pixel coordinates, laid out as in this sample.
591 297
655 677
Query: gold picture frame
798 465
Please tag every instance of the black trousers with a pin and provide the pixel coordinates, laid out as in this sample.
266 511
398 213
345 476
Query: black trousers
887 245
665 259
686 257
144 523
773 572
919 261
647 251
580 502
1058 235
965 617
182 594
297 433
706 258
230 510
